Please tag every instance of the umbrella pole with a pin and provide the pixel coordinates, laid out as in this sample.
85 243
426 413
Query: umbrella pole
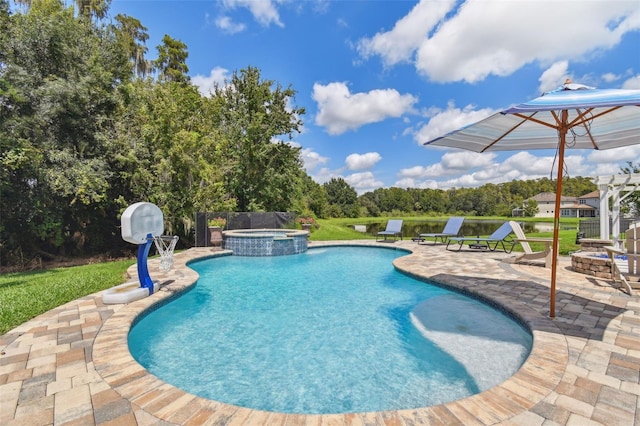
562 130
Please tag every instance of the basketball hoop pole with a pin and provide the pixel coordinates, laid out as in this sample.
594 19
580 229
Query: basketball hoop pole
143 269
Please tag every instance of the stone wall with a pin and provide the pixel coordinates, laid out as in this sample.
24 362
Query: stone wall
587 264
594 244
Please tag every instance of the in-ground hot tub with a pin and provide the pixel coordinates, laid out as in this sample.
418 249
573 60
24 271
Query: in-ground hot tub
592 259
265 242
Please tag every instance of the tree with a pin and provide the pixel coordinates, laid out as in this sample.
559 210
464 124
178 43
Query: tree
93 8
433 200
313 198
168 151
530 208
133 36
396 199
342 197
264 172
369 205
4 28
577 186
59 75
171 62
632 201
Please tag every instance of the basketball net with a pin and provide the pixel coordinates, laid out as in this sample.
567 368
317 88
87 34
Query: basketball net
165 245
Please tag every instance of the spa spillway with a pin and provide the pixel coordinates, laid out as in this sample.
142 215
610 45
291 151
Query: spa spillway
265 242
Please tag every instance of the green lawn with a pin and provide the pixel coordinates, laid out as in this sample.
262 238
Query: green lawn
342 229
26 295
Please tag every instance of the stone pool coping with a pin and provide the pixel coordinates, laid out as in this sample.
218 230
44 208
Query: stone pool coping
258 233
72 364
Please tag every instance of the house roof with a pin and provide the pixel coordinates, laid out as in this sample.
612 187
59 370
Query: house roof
577 206
592 194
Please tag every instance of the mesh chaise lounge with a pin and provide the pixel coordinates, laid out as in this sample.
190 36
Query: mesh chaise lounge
451 229
499 239
394 229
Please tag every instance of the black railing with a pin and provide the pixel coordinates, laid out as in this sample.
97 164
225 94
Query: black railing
590 228
241 220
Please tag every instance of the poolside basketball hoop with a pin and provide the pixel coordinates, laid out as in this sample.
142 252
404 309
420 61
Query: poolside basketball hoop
141 223
165 244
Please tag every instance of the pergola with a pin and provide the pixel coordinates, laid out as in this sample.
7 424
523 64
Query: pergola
618 187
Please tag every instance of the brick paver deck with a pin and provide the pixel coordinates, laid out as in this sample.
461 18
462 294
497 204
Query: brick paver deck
71 365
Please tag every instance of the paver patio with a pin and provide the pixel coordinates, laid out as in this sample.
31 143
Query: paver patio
71 365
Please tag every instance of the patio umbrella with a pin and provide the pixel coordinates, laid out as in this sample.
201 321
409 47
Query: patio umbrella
573 116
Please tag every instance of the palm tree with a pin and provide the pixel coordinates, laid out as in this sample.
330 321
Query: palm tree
134 36
93 8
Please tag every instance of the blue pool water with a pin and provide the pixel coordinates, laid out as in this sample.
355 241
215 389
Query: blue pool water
333 330
606 256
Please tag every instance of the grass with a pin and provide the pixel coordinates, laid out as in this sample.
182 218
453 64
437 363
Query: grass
342 229
25 295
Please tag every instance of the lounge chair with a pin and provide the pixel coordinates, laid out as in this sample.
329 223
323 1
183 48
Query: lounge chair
394 229
631 277
529 254
451 229
499 238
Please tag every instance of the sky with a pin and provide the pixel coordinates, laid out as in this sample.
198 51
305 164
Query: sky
379 78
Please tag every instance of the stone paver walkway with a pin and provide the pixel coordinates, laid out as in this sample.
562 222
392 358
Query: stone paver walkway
71 365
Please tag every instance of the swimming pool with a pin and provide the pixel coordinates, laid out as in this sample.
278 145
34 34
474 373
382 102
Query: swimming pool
341 332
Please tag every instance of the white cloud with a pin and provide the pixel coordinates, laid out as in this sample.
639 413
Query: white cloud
360 182
263 11
528 164
632 83
443 122
206 85
399 44
499 37
483 38
412 183
615 156
469 169
312 159
553 76
610 77
465 160
413 172
227 25
325 174
451 164
339 110
362 161
363 182
320 7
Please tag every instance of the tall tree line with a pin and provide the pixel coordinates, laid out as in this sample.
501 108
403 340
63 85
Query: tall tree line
486 200
89 125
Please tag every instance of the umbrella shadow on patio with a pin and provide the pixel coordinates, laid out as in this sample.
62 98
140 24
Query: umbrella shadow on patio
578 316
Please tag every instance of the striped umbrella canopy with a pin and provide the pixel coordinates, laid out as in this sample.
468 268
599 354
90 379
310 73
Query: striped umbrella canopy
573 116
